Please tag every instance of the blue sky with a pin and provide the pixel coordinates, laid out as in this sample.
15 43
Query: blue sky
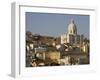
51 24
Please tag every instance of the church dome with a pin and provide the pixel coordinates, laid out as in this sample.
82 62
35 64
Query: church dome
72 28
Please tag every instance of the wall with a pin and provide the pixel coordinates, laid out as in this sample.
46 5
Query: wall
5 40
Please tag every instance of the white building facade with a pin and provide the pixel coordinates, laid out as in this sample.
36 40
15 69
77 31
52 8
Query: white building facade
71 36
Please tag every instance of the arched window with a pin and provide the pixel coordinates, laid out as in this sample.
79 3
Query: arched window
71 31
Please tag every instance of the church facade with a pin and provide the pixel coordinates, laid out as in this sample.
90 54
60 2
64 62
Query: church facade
72 35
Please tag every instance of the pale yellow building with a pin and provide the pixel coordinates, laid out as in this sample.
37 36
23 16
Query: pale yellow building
53 55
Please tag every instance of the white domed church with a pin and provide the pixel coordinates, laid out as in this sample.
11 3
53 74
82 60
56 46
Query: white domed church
72 36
